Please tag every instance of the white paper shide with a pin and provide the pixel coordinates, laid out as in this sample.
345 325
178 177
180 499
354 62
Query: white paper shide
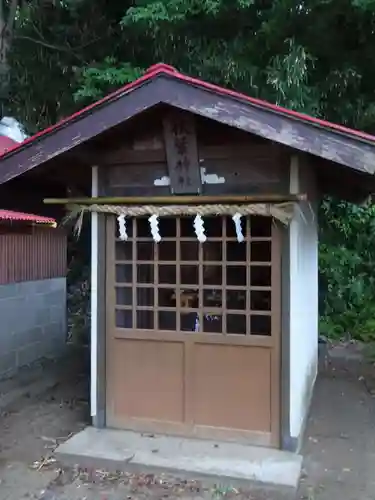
199 229
154 227
237 224
122 227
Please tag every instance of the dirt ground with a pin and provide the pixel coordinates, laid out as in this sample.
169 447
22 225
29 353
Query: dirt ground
33 425
339 448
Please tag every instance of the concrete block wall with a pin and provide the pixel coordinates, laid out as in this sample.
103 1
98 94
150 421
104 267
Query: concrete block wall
32 322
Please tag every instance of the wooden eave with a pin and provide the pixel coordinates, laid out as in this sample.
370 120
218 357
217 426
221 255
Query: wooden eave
164 85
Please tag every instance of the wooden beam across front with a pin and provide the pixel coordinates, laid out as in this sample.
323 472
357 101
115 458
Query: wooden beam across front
173 200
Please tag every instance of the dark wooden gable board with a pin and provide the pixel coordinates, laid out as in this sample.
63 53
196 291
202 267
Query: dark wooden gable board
230 161
182 153
302 136
331 145
81 129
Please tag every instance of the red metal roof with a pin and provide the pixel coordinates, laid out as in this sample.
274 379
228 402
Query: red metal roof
10 215
165 69
6 143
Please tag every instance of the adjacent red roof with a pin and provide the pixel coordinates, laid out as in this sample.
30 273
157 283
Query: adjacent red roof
6 143
9 215
165 69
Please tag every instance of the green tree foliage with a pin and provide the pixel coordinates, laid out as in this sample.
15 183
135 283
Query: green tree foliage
347 277
315 56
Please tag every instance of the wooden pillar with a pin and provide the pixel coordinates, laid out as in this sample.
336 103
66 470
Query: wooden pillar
98 322
287 443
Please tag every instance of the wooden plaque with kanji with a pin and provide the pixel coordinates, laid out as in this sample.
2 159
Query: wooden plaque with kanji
182 153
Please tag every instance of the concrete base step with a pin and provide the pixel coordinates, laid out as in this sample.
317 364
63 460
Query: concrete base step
125 450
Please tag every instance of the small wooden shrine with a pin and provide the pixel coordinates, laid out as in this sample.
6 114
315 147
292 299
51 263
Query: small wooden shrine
204 252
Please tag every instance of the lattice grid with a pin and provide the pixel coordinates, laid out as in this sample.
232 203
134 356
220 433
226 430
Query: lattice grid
221 286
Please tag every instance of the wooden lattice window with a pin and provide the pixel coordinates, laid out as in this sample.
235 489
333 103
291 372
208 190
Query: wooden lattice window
221 286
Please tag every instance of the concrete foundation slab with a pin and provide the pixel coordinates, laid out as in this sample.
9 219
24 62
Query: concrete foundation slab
125 450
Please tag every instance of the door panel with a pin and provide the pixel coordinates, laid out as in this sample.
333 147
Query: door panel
231 386
193 330
149 380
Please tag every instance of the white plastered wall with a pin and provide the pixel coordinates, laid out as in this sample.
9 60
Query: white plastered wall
303 246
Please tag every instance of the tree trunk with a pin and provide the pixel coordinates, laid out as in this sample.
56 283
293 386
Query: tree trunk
7 20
